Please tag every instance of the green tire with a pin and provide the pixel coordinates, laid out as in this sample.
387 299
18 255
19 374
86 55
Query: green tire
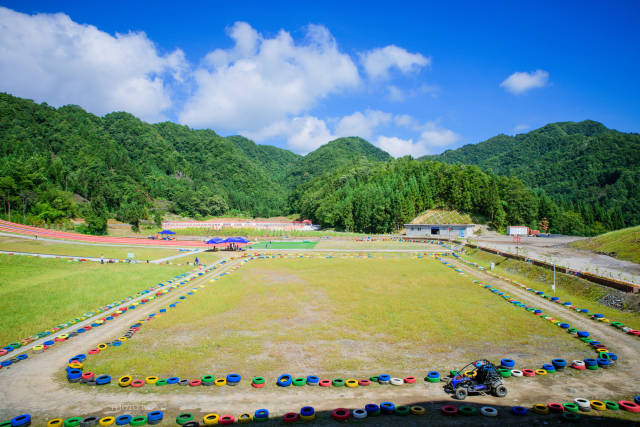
72 422
161 382
300 381
337 382
138 421
184 417
467 410
402 410
208 379
570 407
373 379
612 405
258 380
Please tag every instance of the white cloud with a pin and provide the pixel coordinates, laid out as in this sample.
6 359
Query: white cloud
521 128
262 81
521 82
303 134
437 136
379 61
48 57
401 147
362 125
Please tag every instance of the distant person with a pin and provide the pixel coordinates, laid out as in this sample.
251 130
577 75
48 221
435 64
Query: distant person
101 259
196 263
36 237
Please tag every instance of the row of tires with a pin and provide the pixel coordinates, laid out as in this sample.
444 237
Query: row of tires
16 345
568 410
287 380
595 316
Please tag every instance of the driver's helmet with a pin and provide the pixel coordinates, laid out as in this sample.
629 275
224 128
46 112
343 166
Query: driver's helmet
478 364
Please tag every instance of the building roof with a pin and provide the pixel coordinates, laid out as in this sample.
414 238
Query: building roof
439 225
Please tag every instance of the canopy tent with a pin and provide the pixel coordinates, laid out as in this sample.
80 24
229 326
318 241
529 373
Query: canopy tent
235 240
167 232
214 241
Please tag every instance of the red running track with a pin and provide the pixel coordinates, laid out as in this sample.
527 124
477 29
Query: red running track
32 231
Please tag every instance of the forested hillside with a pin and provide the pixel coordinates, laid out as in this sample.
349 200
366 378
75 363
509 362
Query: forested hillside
382 197
64 162
584 167
126 168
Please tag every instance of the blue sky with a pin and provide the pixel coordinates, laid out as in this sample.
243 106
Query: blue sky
412 78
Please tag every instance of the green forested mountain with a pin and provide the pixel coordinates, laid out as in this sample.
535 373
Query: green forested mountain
124 166
584 167
583 175
337 154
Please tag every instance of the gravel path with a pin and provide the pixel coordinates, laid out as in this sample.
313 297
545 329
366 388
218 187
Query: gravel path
34 385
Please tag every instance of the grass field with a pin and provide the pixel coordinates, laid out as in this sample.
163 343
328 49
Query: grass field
335 317
622 244
373 244
47 247
37 294
283 245
568 288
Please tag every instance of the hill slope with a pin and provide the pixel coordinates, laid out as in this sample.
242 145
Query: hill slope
123 165
623 244
334 155
583 166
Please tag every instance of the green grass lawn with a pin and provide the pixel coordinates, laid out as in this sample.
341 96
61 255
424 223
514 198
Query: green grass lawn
622 244
283 245
373 244
336 317
580 292
46 247
37 294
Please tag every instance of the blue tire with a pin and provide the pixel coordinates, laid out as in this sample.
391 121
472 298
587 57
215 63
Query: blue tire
590 362
123 420
103 380
519 410
384 377
284 380
312 379
603 363
307 411
387 407
583 334
549 367
433 374
173 380
261 413
372 409
21 420
155 416
233 378
507 363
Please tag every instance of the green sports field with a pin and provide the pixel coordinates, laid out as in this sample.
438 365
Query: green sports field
37 294
335 317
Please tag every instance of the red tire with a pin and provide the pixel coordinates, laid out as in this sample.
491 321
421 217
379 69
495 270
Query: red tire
528 372
410 380
290 417
324 383
449 410
137 383
226 420
364 382
341 414
555 407
94 351
257 385
629 406
195 383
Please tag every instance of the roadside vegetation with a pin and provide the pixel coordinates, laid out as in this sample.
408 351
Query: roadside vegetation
622 244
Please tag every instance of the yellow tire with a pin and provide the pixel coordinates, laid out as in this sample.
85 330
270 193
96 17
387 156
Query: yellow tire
107 421
470 374
220 382
541 372
210 419
308 417
102 346
351 383
418 410
598 405
38 348
541 408
122 339
75 365
151 380
244 418
56 422
125 381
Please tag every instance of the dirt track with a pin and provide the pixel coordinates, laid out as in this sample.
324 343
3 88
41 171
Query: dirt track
35 386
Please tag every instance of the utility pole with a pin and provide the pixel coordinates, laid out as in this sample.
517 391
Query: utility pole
554 279
516 240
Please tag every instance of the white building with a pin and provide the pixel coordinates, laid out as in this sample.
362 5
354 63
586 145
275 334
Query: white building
439 230
517 230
